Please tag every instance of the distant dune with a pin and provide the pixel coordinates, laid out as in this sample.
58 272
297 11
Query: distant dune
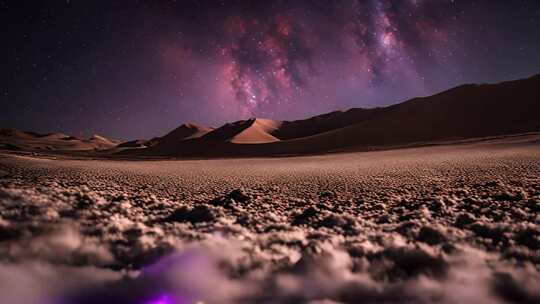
137 143
12 139
323 123
464 112
185 132
469 111
251 131
169 143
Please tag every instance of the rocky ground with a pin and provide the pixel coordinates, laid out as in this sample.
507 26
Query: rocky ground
446 224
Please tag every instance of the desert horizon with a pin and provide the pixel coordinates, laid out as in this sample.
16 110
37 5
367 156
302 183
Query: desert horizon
355 129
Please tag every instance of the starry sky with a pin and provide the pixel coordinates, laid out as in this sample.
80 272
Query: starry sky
137 69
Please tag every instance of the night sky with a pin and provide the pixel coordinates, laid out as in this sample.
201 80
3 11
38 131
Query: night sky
137 69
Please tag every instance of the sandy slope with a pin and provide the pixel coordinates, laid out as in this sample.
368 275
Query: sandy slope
12 139
464 112
445 224
257 131
185 132
324 123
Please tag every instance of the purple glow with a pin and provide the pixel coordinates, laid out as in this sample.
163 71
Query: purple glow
211 62
162 299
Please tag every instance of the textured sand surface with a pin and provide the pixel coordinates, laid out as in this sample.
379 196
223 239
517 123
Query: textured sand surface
443 224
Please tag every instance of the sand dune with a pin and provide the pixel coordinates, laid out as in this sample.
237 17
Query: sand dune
244 132
464 112
174 140
137 143
259 131
184 132
249 131
469 111
6 133
12 139
323 123
56 136
101 142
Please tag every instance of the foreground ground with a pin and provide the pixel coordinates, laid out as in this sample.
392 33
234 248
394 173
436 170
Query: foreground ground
445 224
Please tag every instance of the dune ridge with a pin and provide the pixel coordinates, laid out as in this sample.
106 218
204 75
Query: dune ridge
257 130
12 139
463 112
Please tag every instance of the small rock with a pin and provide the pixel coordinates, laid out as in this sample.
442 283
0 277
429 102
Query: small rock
198 214
233 197
343 221
430 235
529 237
508 197
489 231
239 196
464 219
493 184
327 194
305 217
438 207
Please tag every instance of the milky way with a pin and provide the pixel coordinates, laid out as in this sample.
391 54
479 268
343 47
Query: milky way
274 56
140 69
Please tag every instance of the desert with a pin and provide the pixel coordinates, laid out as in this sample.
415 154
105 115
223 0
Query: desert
270 152
446 224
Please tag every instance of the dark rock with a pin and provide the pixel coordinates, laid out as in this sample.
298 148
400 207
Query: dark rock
437 207
406 228
221 201
335 220
493 184
448 248
401 262
306 216
327 194
529 237
198 214
430 235
83 201
464 219
383 219
238 195
235 196
244 220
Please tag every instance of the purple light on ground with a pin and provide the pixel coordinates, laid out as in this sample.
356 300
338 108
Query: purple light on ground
161 299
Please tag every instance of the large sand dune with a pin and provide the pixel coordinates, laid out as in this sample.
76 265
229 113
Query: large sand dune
465 112
258 131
